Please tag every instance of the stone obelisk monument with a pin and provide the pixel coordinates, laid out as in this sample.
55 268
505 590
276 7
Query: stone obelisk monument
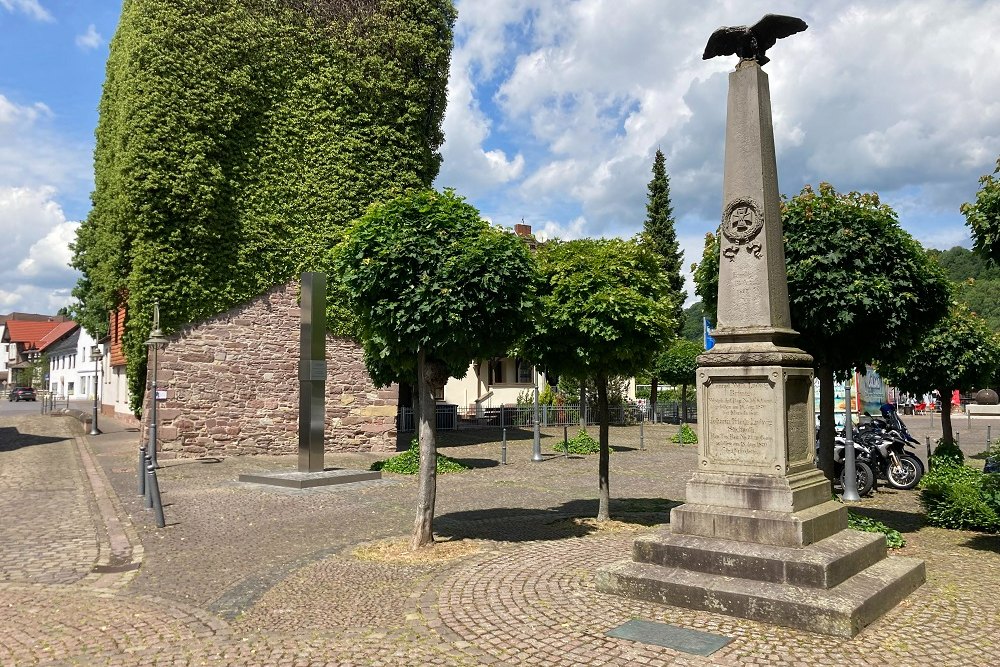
760 536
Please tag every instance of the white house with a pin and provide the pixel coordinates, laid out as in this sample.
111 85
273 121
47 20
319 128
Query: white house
72 370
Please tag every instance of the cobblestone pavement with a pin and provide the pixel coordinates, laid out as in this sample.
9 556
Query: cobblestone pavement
247 575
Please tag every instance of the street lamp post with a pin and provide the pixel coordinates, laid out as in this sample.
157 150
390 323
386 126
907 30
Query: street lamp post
95 353
155 342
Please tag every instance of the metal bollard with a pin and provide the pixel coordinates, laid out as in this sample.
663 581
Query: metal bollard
642 437
988 440
149 486
958 439
142 471
154 494
503 449
566 442
928 451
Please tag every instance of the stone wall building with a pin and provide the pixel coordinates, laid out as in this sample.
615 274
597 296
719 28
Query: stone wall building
232 386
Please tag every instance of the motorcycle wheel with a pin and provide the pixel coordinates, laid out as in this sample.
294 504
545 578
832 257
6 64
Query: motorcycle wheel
865 478
905 475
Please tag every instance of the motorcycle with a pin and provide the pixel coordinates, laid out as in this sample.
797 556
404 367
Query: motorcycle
865 474
890 460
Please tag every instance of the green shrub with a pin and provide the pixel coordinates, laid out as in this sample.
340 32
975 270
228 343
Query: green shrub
956 496
685 436
947 451
893 538
581 443
408 462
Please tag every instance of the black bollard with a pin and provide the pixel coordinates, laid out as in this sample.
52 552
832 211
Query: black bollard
154 494
142 471
149 486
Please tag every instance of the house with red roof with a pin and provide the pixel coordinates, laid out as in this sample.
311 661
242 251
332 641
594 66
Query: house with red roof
25 341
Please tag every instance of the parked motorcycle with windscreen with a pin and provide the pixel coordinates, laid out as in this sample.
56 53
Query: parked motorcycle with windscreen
890 458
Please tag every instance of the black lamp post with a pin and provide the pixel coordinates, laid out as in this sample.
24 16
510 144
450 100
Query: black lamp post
156 341
96 355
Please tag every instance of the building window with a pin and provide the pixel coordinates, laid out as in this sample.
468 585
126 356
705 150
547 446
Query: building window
69 389
523 371
495 372
439 393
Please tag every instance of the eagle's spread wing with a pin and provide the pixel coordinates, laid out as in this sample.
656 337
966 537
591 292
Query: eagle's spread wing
724 41
773 27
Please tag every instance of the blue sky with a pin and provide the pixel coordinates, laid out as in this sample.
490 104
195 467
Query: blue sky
555 110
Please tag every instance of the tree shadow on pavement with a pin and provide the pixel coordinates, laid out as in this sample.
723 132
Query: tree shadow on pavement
984 543
570 519
11 439
904 522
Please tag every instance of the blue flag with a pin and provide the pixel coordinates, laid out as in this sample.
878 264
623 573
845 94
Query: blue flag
709 341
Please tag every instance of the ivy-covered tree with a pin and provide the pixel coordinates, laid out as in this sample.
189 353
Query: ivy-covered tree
659 233
236 140
604 310
860 288
983 216
433 286
960 352
677 365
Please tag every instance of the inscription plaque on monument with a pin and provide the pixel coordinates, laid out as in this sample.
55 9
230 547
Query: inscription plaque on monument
742 426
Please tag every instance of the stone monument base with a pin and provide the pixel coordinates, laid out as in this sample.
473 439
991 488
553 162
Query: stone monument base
307 480
836 586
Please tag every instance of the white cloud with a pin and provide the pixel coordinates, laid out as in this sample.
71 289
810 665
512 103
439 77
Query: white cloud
32 155
90 39
894 97
35 269
32 8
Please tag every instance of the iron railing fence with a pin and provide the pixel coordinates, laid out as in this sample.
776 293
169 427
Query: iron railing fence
449 417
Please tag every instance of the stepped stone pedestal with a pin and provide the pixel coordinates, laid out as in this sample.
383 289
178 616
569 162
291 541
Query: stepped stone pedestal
760 536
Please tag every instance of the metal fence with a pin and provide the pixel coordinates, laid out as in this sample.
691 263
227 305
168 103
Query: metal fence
449 417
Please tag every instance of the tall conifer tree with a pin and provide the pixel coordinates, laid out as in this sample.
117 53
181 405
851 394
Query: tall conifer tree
658 234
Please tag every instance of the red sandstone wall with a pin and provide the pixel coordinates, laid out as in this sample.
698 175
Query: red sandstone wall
232 386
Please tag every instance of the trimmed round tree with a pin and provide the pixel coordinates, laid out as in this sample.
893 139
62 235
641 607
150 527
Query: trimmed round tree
603 310
860 288
960 352
677 365
432 286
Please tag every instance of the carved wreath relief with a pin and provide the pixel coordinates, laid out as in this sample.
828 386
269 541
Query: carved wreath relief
741 223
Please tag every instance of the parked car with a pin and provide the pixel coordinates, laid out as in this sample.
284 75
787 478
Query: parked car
21 394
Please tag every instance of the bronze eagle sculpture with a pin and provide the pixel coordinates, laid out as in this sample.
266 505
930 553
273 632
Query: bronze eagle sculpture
750 42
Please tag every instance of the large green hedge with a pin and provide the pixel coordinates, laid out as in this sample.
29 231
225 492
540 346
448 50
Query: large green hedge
236 140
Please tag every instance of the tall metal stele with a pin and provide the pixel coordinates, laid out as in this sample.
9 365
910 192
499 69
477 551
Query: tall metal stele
155 342
95 354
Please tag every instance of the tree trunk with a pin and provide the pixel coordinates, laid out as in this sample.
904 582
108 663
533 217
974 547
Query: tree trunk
654 394
423 526
946 433
827 428
583 405
603 513
684 404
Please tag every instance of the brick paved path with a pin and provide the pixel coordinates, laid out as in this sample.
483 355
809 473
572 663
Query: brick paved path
245 575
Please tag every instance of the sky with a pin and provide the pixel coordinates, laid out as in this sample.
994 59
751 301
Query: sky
555 110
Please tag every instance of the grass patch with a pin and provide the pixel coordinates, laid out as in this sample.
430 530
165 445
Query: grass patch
685 436
581 443
893 538
408 462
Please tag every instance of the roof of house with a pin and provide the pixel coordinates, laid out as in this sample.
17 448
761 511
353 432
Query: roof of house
60 331
32 317
36 335
67 345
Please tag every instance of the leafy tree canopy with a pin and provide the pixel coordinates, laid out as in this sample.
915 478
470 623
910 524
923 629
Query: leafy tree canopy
976 281
860 287
960 352
694 328
679 362
237 139
983 216
604 308
425 271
